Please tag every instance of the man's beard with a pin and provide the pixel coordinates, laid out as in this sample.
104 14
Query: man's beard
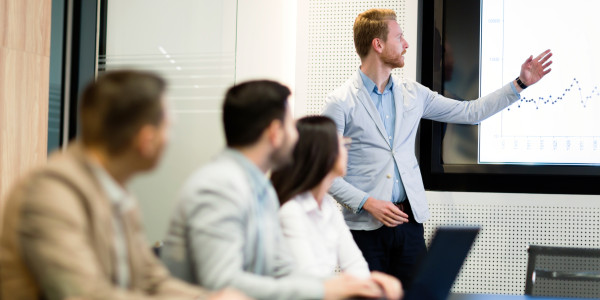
283 156
393 60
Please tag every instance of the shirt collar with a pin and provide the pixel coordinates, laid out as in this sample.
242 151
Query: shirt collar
259 179
370 84
115 192
309 204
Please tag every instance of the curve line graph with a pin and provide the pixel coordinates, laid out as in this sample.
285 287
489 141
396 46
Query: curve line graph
573 90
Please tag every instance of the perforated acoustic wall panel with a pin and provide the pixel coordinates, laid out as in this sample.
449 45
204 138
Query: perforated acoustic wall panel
497 262
332 58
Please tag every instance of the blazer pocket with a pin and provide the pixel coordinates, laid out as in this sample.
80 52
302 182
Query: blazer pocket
409 107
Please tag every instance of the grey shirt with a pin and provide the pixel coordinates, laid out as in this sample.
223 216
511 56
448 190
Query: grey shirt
225 232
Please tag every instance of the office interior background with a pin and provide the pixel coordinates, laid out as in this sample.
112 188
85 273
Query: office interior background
50 49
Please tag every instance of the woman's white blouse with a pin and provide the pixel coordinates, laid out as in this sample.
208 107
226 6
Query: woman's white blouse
319 239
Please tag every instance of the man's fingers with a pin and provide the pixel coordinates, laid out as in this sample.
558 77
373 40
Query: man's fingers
545 58
543 54
403 220
389 222
403 215
398 219
396 211
393 216
389 214
546 65
393 222
396 215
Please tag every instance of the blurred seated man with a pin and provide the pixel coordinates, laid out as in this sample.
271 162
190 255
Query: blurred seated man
71 229
225 231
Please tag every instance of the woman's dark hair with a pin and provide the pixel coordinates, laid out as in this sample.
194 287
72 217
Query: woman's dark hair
314 156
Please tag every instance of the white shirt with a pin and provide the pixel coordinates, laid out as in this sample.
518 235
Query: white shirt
319 238
121 202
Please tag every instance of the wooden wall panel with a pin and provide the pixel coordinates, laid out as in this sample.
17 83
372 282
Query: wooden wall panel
26 25
24 80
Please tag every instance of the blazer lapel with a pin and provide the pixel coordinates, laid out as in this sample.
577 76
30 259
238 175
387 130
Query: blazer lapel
399 103
100 209
365 99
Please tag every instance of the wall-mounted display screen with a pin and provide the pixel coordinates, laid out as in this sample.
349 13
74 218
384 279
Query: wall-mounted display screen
546 142
556 121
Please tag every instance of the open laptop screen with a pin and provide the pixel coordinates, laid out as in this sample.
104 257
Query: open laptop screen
439 268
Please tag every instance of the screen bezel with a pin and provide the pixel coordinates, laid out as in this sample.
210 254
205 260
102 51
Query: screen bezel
559 179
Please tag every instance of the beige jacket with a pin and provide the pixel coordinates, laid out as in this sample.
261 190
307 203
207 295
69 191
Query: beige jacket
57 240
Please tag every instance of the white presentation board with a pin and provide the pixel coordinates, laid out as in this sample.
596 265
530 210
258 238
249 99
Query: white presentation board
556 121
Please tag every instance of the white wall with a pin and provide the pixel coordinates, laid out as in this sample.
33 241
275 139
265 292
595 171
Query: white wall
266 41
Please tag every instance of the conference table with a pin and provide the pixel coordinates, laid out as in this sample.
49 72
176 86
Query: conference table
505 297
497 297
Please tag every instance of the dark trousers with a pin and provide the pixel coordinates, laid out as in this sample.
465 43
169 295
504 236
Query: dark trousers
393 250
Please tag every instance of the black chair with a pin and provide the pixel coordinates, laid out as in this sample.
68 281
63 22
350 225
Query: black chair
156 248
563 272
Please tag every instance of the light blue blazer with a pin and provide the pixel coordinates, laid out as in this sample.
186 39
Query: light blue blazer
213 239
371 157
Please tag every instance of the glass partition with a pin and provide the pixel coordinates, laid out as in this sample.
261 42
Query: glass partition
192 44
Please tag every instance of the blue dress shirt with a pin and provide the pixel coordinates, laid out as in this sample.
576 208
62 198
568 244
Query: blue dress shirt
387 112
266 198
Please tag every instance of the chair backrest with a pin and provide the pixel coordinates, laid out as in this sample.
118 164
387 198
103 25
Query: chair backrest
563 272
156 248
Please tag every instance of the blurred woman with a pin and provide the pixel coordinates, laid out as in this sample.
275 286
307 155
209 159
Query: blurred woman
312 224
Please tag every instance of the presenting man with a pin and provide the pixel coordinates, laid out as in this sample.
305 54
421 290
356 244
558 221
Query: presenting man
71 229
382 195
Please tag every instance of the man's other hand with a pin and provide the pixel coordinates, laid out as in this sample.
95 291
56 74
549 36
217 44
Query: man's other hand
385 211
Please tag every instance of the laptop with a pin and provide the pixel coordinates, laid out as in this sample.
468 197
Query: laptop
439 268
